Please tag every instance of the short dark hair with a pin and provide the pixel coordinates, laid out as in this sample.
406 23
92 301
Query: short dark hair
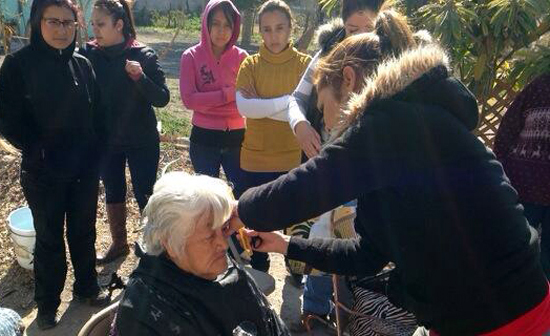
39 6
349 7
227 11
119 10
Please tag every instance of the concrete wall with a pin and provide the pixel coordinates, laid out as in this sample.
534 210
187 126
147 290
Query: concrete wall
12 12
162 5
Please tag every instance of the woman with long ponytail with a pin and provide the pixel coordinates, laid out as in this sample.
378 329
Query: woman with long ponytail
131 83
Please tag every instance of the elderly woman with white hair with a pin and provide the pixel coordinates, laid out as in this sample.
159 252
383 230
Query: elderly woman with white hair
185 284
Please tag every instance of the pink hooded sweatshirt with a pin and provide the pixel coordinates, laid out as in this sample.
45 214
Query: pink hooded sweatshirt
207 85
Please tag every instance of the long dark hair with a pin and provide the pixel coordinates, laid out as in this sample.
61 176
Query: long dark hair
37 11
119 10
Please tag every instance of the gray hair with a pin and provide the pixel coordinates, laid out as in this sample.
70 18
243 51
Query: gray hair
179 203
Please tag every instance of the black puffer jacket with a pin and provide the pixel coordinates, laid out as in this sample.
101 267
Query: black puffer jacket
131 121
431 198
49 109
161 299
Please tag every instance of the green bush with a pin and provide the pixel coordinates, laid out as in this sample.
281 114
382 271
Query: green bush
176 19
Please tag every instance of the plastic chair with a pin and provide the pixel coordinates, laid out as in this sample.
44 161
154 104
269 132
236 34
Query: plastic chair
100 323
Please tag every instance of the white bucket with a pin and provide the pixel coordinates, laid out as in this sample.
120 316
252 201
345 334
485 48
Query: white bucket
23 236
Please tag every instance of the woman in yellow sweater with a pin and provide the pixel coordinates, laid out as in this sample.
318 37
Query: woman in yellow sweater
270 148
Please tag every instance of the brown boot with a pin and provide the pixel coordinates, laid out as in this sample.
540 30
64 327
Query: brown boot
116 214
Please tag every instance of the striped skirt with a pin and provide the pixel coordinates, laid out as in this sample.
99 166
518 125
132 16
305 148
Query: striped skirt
376 316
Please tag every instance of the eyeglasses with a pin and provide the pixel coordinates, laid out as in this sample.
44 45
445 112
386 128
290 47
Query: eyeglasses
56 23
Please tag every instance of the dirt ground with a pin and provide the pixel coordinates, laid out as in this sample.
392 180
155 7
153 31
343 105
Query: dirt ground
17 284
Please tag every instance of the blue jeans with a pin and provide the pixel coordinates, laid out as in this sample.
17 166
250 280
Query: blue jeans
539 216
207 160
318 295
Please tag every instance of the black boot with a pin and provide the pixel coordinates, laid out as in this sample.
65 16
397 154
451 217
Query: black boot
46 320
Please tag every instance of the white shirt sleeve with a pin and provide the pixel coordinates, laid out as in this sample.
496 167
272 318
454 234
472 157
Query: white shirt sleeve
298 101
257 108
280 116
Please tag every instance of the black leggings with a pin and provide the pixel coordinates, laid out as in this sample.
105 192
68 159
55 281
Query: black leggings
143 163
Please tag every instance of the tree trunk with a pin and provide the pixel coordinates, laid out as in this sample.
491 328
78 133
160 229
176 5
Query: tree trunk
309 31
248 27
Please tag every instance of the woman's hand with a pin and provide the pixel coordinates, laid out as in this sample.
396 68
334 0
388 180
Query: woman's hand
308 138
134 69
268 241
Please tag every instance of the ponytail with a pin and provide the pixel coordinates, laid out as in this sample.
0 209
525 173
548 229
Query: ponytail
391 37
119 10
363 53
394 33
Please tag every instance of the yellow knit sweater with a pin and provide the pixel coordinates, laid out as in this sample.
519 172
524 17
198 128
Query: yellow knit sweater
269 145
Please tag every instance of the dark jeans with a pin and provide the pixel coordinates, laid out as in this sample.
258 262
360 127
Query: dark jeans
539 216
259 260
143 164
53 204
207 160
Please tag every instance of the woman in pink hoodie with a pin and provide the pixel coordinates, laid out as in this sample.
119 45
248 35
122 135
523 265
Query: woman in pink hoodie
207 85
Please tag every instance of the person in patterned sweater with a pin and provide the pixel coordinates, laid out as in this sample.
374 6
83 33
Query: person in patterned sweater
522 145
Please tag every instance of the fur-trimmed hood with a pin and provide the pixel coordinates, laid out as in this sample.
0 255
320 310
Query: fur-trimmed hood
419 75
330 34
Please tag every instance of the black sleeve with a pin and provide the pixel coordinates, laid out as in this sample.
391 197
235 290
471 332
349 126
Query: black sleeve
99 111
362 160
153 82
15 120
338 256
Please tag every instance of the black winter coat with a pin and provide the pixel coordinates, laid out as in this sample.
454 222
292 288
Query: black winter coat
50 109
130 118
431 198
161 299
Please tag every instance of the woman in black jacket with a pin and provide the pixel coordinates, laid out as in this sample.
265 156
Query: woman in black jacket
431 198
131 82
49 110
